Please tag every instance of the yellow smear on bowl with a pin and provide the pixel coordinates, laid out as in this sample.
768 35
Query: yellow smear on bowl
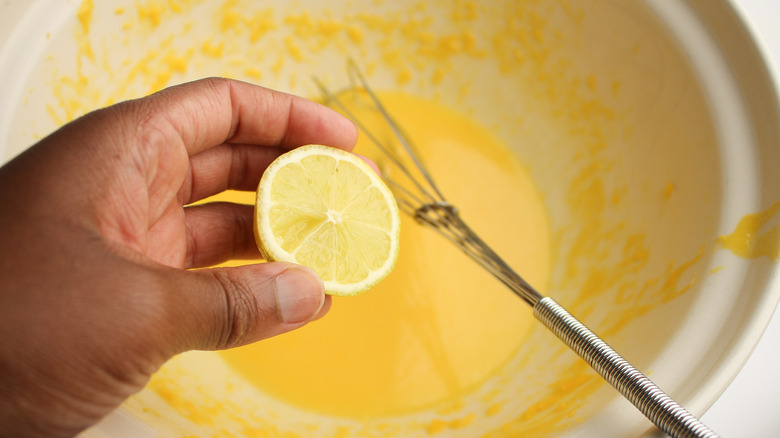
752 236
84 14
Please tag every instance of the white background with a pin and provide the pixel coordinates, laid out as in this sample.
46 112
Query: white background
750 407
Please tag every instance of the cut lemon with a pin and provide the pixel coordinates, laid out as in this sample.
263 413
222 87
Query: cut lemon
325 208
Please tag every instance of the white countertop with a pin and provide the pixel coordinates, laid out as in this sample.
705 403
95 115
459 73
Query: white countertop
750 407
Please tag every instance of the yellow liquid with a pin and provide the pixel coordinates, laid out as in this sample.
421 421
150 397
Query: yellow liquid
438 325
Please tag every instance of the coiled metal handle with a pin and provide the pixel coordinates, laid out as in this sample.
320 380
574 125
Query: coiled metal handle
635 386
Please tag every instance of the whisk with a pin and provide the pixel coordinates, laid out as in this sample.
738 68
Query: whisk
423 201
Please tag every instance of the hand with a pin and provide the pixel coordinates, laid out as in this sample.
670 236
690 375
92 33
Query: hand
96 241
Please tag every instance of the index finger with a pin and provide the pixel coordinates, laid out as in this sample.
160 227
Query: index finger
210 112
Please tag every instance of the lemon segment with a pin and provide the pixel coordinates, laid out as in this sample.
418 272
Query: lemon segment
327 209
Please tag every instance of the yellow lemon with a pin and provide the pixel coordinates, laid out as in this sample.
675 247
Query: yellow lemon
325 208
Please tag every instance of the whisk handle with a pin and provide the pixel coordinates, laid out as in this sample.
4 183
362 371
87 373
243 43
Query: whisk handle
635 386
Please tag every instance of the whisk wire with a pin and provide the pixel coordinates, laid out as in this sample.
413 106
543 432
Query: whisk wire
355 72
424 201
386 151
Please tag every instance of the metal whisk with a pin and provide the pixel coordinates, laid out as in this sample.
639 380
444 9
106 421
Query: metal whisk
423 201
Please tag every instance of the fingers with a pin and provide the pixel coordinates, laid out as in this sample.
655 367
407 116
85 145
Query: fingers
232 167
236 167
370 163
217 232
210 112
222 122
228 307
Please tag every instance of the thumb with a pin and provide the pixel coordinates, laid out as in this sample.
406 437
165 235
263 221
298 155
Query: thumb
240 305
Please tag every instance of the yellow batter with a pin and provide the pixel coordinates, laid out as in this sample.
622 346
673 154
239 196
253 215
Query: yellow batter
438 325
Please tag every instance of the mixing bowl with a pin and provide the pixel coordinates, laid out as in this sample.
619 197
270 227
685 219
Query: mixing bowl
649 127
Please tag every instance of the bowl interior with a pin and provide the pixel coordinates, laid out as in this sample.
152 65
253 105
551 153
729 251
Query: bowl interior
630 117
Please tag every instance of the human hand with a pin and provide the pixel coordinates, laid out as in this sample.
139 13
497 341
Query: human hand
96 241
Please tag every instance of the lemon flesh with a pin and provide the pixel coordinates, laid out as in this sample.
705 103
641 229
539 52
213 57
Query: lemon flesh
325 208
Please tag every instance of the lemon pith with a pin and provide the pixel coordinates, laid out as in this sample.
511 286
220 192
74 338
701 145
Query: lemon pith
325 208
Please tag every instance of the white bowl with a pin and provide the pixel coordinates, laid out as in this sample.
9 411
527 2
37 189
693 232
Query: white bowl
664 109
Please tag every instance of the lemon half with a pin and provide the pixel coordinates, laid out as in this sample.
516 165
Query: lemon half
325 208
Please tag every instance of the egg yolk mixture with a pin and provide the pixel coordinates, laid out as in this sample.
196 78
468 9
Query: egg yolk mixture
439 324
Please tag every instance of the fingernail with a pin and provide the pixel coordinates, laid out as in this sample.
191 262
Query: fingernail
299 294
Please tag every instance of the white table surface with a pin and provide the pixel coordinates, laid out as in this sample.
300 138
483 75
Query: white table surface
750 407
